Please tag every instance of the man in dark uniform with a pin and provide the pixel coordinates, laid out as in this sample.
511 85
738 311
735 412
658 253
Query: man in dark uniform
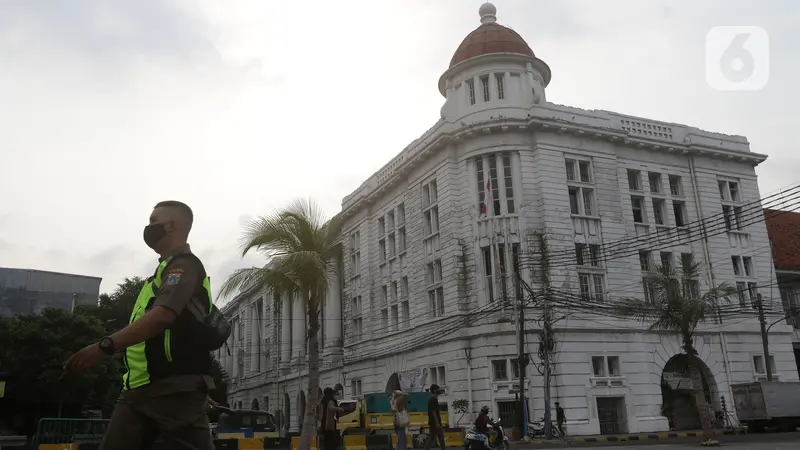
168 376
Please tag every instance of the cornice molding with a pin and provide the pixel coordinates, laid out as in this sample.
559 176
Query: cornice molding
554 125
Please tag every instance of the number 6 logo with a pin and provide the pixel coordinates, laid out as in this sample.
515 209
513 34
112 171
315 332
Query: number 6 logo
737 58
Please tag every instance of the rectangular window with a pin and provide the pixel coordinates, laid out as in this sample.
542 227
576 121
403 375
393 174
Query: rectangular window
355 388
655 182
382 250
644 260
666 261
385 319
406 313
401 239
658 211
487 271
436 300
485 85
509 184
570 166
357 329
514 365
634 180
470 91
687 260
585 170
392 245
394 318
675 186
438 375
592 287
752 289
501 94
434 271
679 210
384 295
401 214
737 268
394 292
494 186
381 226
606 366
500 369
432 221
758 364
733 189
637 205
390 220
404 287
430 193
581 201
747 262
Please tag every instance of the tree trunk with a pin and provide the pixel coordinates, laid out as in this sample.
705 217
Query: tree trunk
309 429
700 398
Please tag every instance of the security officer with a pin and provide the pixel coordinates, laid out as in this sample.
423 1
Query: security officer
167 376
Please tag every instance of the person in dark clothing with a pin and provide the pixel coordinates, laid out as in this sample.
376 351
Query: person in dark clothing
482 421
560 419
330 413
167 372
435 419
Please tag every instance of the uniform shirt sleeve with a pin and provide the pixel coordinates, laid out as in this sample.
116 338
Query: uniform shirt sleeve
179 283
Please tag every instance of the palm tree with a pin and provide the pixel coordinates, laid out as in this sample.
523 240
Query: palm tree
301 245
675 305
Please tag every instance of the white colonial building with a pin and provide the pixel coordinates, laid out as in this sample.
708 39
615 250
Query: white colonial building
502 182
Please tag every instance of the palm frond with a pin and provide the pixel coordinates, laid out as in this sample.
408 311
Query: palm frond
270 278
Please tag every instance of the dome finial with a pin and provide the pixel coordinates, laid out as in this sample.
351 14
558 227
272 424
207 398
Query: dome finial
487 12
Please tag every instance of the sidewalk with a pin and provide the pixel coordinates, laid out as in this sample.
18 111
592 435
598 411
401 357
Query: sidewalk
616 438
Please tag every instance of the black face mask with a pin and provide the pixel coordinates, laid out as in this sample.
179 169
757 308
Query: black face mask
154 233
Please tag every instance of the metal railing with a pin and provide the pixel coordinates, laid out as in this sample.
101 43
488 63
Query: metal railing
68 431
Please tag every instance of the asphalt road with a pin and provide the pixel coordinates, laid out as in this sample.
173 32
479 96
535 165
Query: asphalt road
775 441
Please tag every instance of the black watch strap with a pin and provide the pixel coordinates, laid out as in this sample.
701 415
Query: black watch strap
106 344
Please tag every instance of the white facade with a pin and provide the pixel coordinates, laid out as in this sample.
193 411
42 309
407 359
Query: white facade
416 288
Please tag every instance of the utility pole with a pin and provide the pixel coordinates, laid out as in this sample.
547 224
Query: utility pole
522 365
546 336
764 336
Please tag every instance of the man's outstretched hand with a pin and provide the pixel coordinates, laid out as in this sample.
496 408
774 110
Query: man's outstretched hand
84 359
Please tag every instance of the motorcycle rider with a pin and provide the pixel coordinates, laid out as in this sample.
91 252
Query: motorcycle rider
482 421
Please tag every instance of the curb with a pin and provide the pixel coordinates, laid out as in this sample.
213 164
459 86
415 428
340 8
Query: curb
622 438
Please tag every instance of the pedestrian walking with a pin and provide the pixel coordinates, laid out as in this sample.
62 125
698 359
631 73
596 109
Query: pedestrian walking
560 419
435 419
330 415
166 346
401 418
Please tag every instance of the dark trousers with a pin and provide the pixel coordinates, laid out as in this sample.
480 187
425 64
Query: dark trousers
331 439
435 434
561 427
178 418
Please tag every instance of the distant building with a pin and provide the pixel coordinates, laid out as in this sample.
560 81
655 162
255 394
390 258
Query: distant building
25 291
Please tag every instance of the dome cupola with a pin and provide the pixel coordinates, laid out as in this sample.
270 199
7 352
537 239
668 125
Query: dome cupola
493 68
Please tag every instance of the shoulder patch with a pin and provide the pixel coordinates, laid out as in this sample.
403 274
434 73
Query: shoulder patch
173 278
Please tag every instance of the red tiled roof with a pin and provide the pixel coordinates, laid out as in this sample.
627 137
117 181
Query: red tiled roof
783 228
490 38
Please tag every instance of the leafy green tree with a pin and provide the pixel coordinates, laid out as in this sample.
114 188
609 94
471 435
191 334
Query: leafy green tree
33 348
677 306
115 308
300 244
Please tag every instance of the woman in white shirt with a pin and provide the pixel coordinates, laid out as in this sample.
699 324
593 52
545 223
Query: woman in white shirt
401 418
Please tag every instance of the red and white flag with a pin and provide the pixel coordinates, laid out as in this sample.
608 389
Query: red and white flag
487 198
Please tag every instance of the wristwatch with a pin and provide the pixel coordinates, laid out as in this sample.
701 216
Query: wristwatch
106 344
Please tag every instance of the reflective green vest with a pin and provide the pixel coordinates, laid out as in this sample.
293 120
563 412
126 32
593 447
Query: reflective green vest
155 358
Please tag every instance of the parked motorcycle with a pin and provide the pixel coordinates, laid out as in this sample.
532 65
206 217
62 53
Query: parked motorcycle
536 429
479 441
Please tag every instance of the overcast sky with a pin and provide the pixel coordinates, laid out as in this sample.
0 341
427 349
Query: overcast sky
236 107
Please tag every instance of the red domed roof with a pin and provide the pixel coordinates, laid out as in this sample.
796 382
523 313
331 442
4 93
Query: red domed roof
490 38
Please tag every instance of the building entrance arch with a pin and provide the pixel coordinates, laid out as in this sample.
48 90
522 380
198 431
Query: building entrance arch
254 404
679 404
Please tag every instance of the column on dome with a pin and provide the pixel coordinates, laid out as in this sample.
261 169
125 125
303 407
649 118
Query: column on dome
333 311
298 326
286 329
